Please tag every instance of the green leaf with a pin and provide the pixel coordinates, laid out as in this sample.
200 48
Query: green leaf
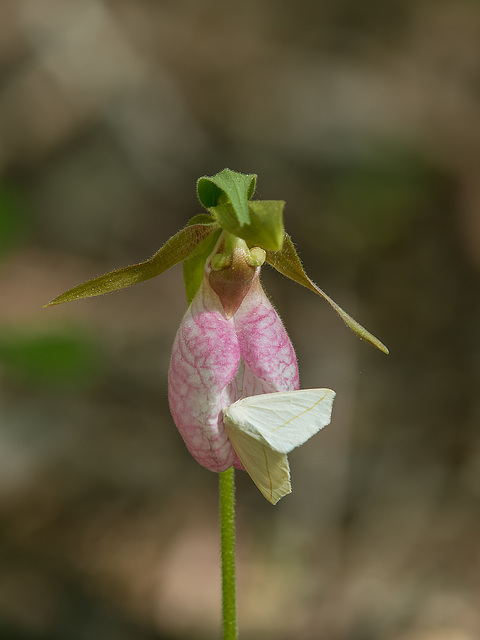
178 248
193 266
265 229
287 262
228 187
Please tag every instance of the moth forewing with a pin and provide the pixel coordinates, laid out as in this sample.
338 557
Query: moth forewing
283 420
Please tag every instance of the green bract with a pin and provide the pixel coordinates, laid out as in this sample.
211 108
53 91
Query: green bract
193 265
226 196
228 187
265 229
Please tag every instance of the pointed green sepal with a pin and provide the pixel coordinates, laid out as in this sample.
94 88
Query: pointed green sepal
287 262
193 266
180 246
228 186
265 229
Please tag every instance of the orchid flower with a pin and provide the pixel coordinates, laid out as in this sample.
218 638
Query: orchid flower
231 344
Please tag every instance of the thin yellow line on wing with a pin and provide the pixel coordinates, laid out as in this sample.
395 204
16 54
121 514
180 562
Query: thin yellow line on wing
268 472
300 414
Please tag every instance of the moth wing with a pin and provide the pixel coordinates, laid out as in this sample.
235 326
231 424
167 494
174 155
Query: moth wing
283 420
267 468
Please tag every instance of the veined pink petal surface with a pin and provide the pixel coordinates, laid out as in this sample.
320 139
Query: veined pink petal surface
218 359
264 343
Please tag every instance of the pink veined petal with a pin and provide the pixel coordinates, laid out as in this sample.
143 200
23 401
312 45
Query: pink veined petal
264 343
205 358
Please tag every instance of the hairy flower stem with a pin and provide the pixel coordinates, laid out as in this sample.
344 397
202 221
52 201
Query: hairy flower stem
227 525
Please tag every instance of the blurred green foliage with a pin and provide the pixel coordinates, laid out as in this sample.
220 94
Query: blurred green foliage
373 205
13 219
54 357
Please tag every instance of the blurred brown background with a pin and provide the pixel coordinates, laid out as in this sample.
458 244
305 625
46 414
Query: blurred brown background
365 118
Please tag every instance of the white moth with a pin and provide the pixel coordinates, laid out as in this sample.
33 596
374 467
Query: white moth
264 428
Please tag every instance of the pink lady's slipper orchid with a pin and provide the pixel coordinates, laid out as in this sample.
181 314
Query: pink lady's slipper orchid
231 344
233 378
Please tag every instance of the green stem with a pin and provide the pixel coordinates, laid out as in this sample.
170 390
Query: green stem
227 524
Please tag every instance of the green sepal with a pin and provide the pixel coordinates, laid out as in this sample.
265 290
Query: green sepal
287 262
180 246
265 229
228 186
193 266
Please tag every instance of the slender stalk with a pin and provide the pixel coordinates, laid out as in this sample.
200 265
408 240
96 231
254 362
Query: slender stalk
227 524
